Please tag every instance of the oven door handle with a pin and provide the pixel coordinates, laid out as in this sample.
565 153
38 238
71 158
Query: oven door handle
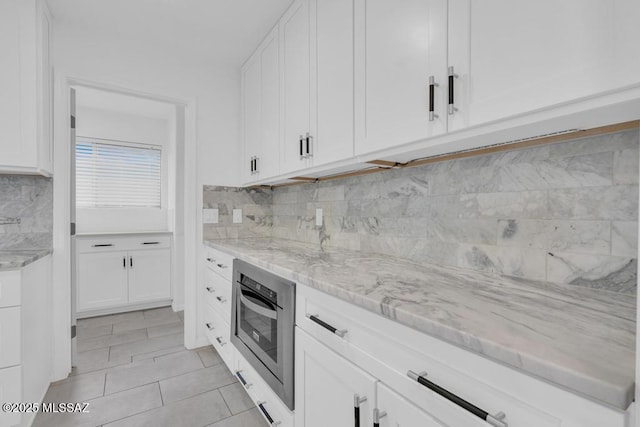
271 314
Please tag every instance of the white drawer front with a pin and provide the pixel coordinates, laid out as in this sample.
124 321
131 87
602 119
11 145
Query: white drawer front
218 294
219 333
261 393
10 334
10 288
10 392
123 243
220 263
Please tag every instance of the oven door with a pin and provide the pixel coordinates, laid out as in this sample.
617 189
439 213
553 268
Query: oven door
260 328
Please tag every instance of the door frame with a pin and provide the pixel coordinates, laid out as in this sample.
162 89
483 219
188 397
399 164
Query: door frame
185 254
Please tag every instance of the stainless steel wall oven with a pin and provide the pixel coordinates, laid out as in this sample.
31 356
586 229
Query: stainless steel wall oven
262 325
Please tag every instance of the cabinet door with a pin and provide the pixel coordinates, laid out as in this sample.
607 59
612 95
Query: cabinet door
45 91
400 412
250 115
513 57
294 41
269 153
399 45
102 280
326 387
10 392
333 80
11 149
149 275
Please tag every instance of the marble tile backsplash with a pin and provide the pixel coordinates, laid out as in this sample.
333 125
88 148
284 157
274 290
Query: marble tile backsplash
26 212
564 213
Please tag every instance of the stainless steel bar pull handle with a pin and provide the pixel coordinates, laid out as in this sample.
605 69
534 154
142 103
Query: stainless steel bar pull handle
210 289
255 165
377 414
357 400
209 326
452 77
432 94
222 300
219 339
242 380
150 243
301 149
309 140
339 332
267 415
496 420
221 266
103 245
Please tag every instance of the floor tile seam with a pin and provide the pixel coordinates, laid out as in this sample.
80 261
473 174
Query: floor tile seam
158 381
203 392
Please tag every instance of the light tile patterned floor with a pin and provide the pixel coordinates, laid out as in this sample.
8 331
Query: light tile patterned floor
133 370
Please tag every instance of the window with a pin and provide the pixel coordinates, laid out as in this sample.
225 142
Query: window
112 174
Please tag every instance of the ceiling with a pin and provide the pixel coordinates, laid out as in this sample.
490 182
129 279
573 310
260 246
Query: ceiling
221 32
123 104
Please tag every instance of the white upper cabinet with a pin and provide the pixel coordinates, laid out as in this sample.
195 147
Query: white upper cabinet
317 83
25 85
261 111
401 50
296 85
514 57
332 80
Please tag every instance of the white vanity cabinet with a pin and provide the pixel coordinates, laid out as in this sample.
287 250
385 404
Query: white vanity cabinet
122 272
388 354
25 337
26 87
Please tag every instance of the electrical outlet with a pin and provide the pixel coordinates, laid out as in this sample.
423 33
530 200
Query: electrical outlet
237 216
210 216
319 217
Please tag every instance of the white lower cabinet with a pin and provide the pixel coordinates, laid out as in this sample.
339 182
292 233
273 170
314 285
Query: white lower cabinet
25 338
370 349
330 391
119 272
102 280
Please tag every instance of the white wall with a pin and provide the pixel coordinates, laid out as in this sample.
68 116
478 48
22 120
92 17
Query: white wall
211 96
104 124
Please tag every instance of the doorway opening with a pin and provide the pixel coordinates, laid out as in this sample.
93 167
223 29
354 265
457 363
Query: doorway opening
127 204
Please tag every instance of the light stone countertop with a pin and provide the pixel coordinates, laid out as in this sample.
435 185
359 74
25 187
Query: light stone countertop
581 339
19 258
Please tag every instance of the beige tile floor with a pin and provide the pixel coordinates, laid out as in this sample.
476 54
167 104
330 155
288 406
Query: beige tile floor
134 370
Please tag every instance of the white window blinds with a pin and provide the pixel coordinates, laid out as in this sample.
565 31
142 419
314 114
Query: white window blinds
112 174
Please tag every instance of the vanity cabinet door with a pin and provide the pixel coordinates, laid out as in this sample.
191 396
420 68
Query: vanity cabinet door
149 275
102 280
327 386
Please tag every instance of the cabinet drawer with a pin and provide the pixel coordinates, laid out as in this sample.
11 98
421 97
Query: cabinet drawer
10 336
219 262
219 334
10 288
123 243
218 293
261 393
10 392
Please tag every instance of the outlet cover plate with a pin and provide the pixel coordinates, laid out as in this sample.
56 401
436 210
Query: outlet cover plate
237 216
319 217
210 216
